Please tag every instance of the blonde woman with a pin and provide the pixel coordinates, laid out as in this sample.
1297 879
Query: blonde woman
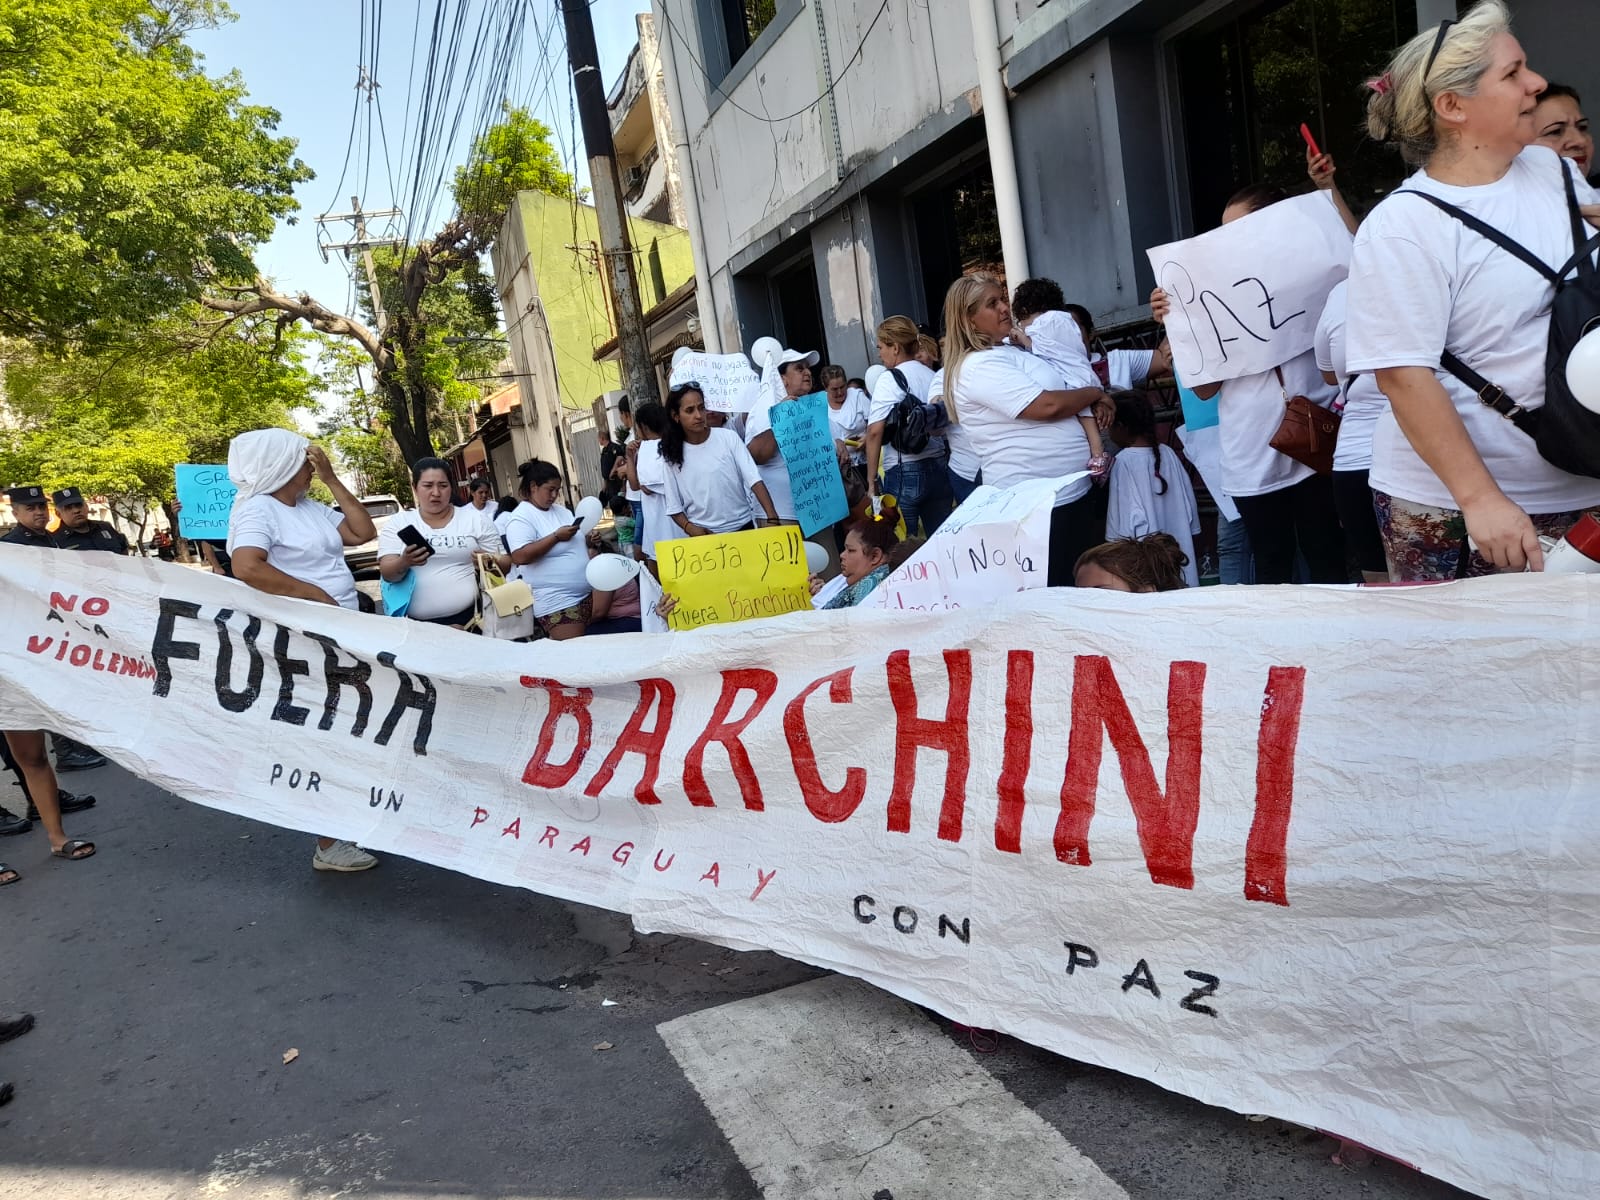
1460 103
917 481
1019 414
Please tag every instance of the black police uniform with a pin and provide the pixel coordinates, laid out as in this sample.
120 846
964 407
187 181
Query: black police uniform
95 535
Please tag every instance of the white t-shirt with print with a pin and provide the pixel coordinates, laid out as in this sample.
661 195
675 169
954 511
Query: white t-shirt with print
1251 410
849 421
1363 402
993 387
712 488
1421 282
652 473
885 395
558 578
301 540
775 471
1137 505
448 582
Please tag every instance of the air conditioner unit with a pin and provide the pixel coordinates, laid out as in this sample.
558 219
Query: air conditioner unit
633 178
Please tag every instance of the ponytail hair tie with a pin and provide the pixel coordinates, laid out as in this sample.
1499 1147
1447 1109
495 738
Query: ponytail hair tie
1382 84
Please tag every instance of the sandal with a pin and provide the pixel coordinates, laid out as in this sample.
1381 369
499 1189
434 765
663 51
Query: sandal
69 850
4 871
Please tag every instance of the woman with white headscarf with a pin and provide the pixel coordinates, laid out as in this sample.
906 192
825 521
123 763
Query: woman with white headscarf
283 542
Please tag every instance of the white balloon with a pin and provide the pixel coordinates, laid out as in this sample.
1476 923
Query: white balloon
816 558
588 513
608 572
765 348
1583 371
874 373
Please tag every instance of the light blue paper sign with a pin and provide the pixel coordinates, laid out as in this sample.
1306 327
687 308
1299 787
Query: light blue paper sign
206 494
1197 413
801 427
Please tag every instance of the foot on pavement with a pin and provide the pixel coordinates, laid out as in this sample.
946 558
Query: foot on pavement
343 856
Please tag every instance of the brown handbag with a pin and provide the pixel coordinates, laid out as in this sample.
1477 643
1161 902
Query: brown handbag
1307 433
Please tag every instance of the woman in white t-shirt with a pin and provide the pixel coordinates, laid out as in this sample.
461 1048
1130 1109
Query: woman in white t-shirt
282 542
847 416
1352 455
710 477
549 555
1459 103
794 376
1286 506
444 566
648 474
1020 414
918 482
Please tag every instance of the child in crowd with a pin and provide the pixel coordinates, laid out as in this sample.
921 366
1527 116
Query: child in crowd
1150 490
622 518
1153 563
1048 330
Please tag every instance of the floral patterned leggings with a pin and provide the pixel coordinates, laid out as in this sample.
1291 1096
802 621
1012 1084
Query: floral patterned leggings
1424 544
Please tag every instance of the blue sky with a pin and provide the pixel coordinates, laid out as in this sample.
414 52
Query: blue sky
300 57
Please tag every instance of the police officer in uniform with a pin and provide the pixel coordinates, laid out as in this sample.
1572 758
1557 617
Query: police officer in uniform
32 514
77 531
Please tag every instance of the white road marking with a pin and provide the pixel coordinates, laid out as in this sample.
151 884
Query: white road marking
834 1089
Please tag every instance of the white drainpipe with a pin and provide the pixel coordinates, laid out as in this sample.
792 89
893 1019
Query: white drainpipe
997 127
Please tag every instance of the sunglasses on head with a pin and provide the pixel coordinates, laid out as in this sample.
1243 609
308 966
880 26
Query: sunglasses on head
1438 44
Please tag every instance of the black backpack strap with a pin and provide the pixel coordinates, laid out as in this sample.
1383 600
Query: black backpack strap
1491 395
905 388
1489 231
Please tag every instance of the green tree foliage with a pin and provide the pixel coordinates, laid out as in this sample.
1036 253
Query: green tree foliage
129 179
515 155
434 290
114 423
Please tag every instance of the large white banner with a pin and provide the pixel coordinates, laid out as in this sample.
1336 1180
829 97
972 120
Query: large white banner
1247 295
1328 854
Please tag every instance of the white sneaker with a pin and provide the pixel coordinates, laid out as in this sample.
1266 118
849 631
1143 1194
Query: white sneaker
343 856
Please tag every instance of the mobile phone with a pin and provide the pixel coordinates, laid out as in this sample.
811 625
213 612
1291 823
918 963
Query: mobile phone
1311 142
576 523
410 535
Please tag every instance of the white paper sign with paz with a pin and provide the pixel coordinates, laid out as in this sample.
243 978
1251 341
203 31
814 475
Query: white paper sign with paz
1247 295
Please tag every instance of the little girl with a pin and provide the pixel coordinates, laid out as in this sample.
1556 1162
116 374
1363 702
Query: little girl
1150 490
1039 309
1153 563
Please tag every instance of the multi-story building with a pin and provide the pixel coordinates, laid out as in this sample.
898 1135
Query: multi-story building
837 165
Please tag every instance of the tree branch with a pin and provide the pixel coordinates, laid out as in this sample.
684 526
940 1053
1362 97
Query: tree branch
262 297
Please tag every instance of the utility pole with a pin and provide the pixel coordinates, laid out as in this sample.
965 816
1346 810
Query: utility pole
638 374
363 244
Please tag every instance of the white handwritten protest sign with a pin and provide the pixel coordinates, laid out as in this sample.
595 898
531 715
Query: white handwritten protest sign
1247 295
997 542
728 381
1195 836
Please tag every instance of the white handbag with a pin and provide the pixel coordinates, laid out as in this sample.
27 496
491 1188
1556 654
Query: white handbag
505 607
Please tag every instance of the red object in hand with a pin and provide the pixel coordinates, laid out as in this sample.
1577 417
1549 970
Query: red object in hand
1311 142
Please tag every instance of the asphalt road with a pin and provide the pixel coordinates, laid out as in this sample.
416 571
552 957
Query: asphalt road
446 1032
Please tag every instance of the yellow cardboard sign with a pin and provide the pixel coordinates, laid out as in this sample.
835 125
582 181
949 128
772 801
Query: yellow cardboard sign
726 577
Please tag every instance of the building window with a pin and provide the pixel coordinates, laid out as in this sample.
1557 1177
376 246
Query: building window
743 21
957 233
1246 83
